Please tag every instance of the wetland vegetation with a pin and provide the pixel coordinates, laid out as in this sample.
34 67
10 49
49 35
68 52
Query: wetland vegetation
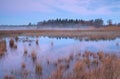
38 57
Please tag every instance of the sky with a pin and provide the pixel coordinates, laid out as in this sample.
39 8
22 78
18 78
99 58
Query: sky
15 12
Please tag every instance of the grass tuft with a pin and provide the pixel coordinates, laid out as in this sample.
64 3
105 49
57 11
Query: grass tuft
38 69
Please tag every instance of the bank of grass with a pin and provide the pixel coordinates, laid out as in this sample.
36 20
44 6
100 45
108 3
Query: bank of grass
94 33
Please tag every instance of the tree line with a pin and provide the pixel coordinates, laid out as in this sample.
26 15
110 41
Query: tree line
67 22
96 22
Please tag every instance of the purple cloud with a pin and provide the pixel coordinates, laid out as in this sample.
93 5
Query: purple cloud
83 7
23 6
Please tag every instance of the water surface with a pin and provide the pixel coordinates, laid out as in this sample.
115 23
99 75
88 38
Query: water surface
49 49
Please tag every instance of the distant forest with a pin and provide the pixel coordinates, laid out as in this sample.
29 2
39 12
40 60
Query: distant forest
74 23
68 23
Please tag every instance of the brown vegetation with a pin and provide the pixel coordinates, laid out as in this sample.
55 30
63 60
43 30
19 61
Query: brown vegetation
34 56
11 43
95 33
38 69
23 65
103 66
58 74
2 47
37 42
25 51
9 77
16 38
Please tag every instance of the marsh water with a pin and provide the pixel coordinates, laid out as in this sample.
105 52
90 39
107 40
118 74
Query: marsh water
50 49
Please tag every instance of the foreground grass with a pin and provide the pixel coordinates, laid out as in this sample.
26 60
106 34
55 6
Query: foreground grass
86 66
91 66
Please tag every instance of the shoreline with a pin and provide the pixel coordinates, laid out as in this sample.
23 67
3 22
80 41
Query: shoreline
94 33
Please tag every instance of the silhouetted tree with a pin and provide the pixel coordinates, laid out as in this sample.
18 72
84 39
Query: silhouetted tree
29 24
67 22
118 24
98 22
109 22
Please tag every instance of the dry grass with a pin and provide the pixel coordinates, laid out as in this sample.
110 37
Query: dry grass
38 69
23 65
94 34
16 38
25 51
2 47
102 66
15 46
11 43
34 56
37 41
9 77
57 74
25 74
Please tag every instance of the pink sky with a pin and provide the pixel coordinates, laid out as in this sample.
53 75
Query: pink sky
59 7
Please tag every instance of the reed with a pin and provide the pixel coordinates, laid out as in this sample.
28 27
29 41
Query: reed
87 67
25 51
34 56
6 77
2 47
57 74
16 38
37 42
9 77
38 69
15 46
23 65
11 43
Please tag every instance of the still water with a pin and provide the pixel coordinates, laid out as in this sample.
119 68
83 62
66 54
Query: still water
49 49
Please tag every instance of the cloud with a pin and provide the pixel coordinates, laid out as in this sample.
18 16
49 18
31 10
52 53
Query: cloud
82 7
23 6
87 7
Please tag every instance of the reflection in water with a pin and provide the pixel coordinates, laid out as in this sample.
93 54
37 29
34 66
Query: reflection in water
44 50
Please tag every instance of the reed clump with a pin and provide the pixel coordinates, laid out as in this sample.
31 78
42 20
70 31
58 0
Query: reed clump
23 65
16 38
25 51
37 42
57 74
9 77
34 56
2 47
12 43
38 69
90 66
